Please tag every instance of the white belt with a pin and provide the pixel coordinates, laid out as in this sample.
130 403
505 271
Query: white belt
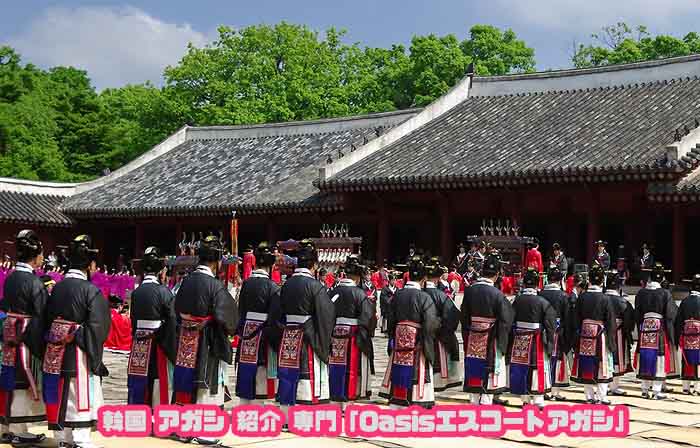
527 325
148 324
653 316
346 321
297 319
252 315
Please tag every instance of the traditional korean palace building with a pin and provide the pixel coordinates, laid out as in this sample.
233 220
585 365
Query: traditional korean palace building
572 156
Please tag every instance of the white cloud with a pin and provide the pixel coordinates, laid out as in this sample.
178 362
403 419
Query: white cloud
590 15
115 45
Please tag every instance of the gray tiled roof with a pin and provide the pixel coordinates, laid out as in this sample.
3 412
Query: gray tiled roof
247 168
558 133
27 208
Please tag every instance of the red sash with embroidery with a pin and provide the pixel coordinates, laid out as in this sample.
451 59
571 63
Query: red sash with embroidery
476 351
249 345
289 363
185 374
690 347
343 363
13 330
406 358
60 333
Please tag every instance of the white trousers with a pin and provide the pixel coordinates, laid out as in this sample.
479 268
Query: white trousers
482 398
75 436
616 384
591 390
537 400
653 384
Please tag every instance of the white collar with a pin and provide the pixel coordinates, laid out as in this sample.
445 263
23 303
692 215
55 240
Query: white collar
205 270
653 285
429 285
76 273
260 273
150 279
303 271
612 292
595 288
346 282
443 282
552 286
24 267
529 292
484 280
695 293
412 285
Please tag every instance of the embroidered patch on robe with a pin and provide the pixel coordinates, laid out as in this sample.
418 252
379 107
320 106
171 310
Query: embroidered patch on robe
691 334
339 345
477 342
588 342
188 345
56 348
522 348
250 342
140 355
290 348
9 346
649 337
406 336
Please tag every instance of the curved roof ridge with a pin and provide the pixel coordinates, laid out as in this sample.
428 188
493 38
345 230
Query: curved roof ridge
622 75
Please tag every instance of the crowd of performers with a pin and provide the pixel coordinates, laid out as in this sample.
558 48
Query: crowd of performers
305 343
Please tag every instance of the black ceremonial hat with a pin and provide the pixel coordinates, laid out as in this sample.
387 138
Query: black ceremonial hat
596 275
554 274
531 278
492 264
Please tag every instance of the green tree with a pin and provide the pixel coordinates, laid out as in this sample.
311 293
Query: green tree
620 44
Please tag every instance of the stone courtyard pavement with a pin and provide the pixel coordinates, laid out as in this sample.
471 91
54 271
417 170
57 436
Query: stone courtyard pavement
654 424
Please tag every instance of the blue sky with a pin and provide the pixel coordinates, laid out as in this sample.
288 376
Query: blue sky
130 42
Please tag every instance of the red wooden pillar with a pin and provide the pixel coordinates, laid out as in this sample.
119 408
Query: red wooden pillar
138 246
445 228
592 225
678 243
382 231
178 236
271 231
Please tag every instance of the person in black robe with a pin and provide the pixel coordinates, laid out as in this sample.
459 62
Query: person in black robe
560 368
646 262
595 343
486 317
687 327
78 325
447 371
309 318
385 299
413 324
208 315
624 326
602 257
25 300
351 360
532 343
259 331
461 259
154 336
656 355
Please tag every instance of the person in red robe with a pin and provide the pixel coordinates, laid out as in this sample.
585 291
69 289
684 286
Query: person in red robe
248 262
276 274
119 337
454 279
533 259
